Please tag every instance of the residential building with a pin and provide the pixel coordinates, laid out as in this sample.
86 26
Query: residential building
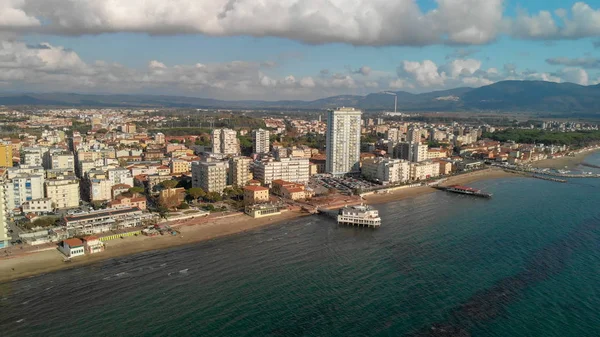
121 200
178 166
343 141
59 159
239 171
393 134
72 247
415 152
120 176
159 138
211 176
172 197
225 141
6 154
103 220
64 192
424 170
260 139
295 170
92 245
33 156
119 189
262 210
4 209
23 187
289 190
255 195
99 189
386 170
37 206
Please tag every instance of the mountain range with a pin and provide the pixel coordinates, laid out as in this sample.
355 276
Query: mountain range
505 96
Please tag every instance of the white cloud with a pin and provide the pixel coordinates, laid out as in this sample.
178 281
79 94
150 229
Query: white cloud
462 67
425 73
358 22
307 82
575 75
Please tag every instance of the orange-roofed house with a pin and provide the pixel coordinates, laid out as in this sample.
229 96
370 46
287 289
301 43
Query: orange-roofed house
72 247
289 190
255 195
121 200
93 245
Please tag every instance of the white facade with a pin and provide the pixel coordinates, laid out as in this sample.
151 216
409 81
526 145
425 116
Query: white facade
100 189
386 171
239 171
296 170
424 170
4 236
33 156
419 152
103 220
260 139
37 206
225 141
120 176
343 141
211 176
64 192
24 187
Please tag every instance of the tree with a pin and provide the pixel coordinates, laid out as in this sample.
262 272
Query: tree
196 192
213 197
102 131
183 205
169 184
136 190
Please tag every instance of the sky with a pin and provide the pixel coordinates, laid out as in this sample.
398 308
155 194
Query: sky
292 49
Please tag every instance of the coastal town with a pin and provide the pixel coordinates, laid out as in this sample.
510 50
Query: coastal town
76 182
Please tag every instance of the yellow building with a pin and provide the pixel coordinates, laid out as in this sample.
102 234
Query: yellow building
6 155
255 195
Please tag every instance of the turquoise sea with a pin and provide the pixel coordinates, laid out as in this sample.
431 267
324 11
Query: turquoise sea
524 263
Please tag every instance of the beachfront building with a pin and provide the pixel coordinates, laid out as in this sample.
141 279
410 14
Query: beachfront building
255 195
343 141
260 139
424 170
4 233
239 171
385 170
104 220
22 187
92 245
225 141
262 210
63 191
72 247
296 170
211 176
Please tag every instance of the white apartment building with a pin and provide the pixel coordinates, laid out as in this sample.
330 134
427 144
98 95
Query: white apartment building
343 141
63 192
100 189
23 187
37 206
33 156
393 134
419 152
386 171
239 171
424 170
4 210
225 141
260 139
60 160
296 170
211 176
120 176
103 220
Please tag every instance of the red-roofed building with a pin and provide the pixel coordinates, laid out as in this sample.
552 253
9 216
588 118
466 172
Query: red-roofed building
289 190
255 194
72 247
92 244
121 200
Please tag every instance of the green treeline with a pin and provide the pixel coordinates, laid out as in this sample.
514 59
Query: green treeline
531 136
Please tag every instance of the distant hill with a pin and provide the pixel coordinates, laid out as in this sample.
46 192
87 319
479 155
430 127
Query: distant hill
526 96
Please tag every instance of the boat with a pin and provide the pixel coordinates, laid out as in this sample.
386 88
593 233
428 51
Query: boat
361 215
465 190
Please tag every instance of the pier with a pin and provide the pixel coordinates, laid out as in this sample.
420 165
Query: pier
590 165
556 180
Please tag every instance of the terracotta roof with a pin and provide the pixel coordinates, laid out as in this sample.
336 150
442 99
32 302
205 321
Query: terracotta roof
118 186
74 242
295 190
256 188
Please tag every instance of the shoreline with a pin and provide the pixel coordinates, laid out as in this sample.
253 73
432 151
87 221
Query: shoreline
19 266
568 162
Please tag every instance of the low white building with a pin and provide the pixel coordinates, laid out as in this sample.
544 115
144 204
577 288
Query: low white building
424 170
37 206
104 220
385 170
72 247
296 170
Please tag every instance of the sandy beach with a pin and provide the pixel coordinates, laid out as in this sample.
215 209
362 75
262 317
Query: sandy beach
15 265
